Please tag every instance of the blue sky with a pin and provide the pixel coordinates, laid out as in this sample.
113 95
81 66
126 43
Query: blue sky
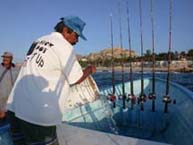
23 21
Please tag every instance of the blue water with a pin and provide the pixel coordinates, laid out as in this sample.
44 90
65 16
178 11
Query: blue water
104 79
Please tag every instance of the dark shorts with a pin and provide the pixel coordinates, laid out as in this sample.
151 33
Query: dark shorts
25 133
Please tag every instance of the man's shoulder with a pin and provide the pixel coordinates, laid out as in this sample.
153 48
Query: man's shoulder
57 42
53 37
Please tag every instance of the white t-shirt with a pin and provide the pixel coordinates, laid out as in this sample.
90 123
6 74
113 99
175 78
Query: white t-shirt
42 86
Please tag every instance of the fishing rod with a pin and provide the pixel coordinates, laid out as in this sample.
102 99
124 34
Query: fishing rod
131 96
152 96
113 71
122 61
166 99
112 96
142 96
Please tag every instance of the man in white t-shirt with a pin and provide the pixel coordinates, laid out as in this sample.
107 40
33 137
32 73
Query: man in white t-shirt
37 100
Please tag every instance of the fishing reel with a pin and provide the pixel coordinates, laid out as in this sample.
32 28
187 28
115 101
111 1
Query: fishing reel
152 96
167 99
112 98
141 98
131 98
121 97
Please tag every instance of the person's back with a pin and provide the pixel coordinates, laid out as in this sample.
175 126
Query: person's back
44 80
38 97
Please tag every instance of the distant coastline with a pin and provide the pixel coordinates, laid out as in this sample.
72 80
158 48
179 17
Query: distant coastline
148 69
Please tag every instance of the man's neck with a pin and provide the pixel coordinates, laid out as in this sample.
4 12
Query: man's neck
7 66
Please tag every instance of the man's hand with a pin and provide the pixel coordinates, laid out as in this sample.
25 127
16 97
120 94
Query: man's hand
92 69
2 114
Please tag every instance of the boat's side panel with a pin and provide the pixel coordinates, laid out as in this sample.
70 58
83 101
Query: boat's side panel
96 116
73 135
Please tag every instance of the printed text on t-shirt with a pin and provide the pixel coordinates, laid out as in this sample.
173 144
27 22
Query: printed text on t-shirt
38 51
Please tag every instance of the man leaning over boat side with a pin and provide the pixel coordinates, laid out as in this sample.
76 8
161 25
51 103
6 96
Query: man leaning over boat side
36 102
7 78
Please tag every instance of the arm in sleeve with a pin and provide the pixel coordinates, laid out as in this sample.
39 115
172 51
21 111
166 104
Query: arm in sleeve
72 68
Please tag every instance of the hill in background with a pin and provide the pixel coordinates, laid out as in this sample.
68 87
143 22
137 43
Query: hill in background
107 54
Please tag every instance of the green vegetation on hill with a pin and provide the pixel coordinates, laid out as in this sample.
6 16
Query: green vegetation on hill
104 57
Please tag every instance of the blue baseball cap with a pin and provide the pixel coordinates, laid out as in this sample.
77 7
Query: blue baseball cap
76 24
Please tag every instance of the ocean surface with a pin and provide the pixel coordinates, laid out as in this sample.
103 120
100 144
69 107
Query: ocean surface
104 79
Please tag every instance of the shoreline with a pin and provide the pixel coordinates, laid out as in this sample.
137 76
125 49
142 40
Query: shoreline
147 69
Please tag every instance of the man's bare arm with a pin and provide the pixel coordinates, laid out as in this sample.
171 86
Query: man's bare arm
86 72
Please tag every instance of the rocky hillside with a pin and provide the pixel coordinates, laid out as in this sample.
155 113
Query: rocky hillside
107 54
